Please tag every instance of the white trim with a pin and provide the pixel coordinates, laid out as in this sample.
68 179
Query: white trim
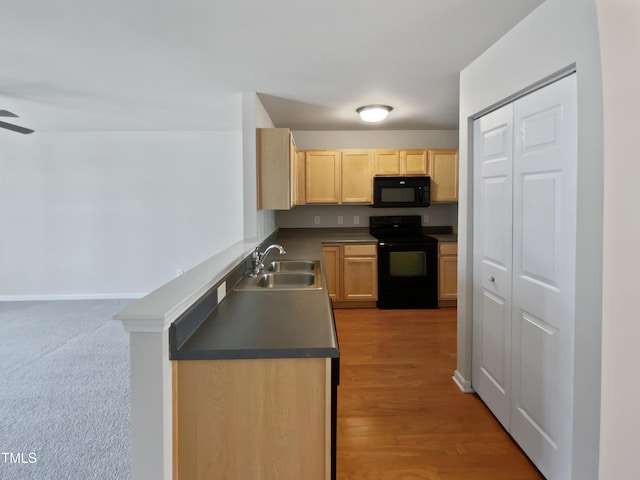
149 325
554 77
77 296
463 383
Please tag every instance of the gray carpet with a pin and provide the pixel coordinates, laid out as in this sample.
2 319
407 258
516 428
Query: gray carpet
64 391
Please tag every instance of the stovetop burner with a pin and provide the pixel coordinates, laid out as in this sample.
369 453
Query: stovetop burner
399 228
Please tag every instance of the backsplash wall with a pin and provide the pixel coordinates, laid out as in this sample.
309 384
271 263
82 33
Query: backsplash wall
303 216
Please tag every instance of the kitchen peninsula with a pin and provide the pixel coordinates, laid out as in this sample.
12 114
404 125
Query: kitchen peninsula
251 373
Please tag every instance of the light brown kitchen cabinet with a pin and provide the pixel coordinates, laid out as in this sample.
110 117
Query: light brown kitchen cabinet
322 176
413 162
346 176
401 162
352 273
338 176
443 170
387 162
252 418
360 272
301 175
276 165
332 260
447 273
356 176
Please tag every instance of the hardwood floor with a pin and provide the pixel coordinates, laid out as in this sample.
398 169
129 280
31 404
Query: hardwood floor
401 416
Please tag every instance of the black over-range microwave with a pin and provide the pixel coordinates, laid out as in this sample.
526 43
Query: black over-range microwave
401 191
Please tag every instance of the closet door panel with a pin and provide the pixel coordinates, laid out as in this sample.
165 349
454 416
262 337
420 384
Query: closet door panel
493 150
544 240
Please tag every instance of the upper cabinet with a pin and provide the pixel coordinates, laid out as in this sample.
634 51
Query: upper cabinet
322 176
276 165
333 176
413 162
356 176
400 162
443 170
387 162
346 176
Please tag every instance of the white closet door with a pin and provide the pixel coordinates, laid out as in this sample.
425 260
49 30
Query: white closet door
544 240
493 157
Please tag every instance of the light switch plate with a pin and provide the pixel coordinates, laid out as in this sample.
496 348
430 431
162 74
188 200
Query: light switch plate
356 220
316 219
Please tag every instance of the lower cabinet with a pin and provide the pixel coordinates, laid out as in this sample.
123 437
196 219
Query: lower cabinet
447 274
254 418
351 271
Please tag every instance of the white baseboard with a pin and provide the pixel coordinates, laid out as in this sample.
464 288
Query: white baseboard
82 296
463 383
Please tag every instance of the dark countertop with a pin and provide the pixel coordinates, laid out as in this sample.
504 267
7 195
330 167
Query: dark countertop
445 237
274 324
278 324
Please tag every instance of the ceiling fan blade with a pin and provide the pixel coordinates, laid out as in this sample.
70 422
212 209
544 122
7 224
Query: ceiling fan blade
7 113
16 128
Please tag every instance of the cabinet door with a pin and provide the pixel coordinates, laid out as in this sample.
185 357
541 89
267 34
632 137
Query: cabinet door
387 162
267 405
414 162
332 256
357 178
443 166
301 187
360 273
274 157
293 171
323 176
448 272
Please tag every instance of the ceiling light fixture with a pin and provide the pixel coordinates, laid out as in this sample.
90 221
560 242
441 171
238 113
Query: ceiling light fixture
374 113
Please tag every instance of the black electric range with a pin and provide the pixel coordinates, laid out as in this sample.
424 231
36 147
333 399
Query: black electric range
407 262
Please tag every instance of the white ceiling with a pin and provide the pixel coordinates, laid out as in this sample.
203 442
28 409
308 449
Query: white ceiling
166 64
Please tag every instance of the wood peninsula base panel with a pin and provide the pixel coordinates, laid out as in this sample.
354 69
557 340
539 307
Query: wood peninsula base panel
252 419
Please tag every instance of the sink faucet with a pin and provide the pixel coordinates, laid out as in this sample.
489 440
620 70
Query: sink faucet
258 258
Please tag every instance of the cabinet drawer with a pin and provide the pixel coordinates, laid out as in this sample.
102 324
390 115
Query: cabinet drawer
448 248
360 250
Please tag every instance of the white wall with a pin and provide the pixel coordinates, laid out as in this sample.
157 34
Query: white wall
556 35
258 224
319 140
304 215
619 25
99 214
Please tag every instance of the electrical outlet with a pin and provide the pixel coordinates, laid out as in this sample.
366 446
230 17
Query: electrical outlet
179 272
425 219
356 220
316 219
222 291
340 219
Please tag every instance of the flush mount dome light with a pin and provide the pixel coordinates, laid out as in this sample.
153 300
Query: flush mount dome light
374 113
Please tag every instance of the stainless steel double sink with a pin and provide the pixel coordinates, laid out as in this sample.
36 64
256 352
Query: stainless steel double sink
285 275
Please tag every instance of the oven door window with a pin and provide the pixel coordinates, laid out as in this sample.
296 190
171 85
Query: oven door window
397 194
408 264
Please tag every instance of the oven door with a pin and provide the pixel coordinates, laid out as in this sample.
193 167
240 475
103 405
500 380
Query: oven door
407 275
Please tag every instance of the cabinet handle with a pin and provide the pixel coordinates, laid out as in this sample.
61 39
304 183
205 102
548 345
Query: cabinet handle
491 279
